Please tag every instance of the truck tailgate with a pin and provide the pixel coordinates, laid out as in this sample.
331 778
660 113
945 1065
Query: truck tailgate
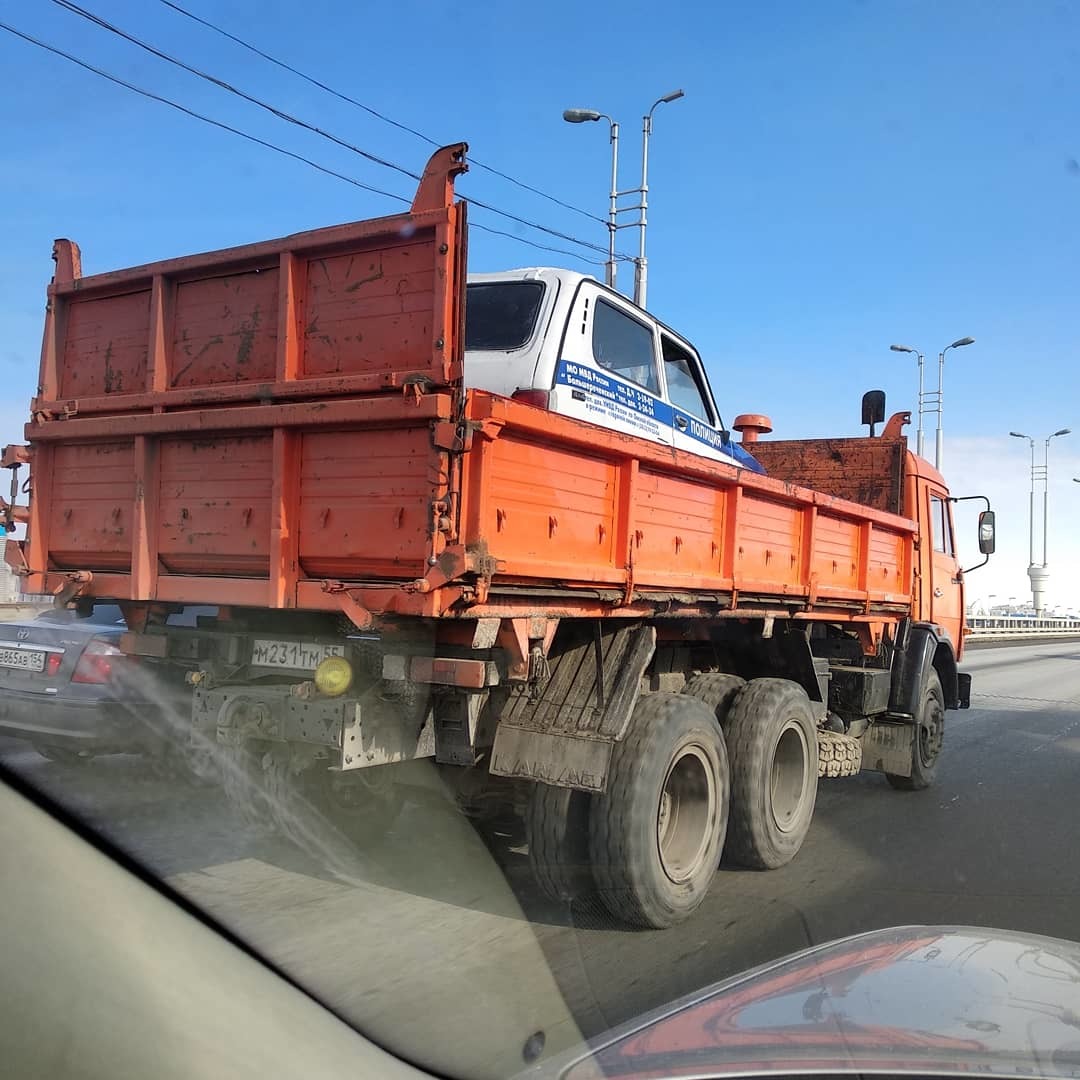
261 413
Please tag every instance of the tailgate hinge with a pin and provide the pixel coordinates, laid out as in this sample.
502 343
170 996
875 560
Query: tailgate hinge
14 457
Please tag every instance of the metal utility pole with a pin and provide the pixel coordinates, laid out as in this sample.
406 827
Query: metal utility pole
1039 573
939 397
581 116
641 267
919 356
641 273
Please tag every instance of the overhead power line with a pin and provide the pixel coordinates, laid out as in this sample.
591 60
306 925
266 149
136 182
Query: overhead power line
75 9
198 116
341 96
143 92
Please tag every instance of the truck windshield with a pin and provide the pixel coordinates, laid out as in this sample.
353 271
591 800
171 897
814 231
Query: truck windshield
501 315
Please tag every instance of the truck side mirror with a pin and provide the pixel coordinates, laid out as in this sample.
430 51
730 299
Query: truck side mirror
986 532
873 409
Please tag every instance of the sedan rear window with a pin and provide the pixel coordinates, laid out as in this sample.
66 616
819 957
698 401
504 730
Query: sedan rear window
501 315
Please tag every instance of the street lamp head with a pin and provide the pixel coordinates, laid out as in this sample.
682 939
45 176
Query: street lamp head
580 116
903 348
962 341
1063 431
1019 435
673 96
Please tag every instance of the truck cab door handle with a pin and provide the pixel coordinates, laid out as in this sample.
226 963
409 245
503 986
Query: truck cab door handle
680 423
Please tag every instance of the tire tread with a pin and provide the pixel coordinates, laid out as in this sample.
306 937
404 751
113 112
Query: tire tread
610 825
717 689
557 824
748 842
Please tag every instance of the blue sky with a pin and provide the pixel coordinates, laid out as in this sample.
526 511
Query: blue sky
838 177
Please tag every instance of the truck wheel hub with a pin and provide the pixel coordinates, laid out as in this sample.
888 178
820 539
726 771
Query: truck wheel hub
687 811
789 779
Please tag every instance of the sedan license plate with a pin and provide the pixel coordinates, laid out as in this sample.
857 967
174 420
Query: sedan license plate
22 659
295 655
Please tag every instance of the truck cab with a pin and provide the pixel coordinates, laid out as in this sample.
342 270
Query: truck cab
939 579
562 341
883 474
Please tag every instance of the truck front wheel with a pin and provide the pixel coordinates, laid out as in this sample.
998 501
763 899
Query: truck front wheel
656 834
926 743
772 739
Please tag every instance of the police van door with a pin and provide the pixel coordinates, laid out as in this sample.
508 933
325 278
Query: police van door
694 422
608 371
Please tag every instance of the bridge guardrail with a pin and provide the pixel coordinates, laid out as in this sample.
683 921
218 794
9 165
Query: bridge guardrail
1019 627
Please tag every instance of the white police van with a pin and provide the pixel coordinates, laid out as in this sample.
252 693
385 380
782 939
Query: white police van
562 341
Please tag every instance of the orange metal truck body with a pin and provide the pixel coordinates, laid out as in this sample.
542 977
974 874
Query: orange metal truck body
283 426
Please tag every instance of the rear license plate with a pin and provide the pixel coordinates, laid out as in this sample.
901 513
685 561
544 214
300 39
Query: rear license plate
295 655
22 659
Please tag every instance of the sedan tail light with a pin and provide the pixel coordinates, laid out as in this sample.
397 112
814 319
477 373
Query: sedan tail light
538 398
97 663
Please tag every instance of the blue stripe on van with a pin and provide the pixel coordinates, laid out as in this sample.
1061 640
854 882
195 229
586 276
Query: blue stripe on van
626 401
704 433
599 384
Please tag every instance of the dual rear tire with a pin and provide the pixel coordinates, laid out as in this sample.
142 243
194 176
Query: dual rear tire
648 847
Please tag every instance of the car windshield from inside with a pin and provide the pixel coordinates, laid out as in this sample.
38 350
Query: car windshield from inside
485 577
501 315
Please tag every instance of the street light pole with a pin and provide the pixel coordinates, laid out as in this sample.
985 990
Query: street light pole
641 269
581 116
613 205
919 356
1046 485
641 272
1039 573
939 436
1031 499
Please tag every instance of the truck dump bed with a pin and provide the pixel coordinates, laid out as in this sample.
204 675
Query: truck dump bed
283 426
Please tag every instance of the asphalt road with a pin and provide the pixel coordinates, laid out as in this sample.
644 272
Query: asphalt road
436 932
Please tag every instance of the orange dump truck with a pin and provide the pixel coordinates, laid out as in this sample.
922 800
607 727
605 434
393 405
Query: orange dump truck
658 650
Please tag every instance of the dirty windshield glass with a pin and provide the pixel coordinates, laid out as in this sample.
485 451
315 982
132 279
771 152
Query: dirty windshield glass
519 519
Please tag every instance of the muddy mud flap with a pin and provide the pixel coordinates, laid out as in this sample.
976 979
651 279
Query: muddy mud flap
963 684
886 748
563 735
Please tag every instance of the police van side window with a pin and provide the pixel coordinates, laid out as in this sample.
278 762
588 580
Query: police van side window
624 346
684 389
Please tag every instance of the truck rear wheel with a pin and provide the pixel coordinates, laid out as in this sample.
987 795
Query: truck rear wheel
774 770
656 834
717 689
557 830
926 745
